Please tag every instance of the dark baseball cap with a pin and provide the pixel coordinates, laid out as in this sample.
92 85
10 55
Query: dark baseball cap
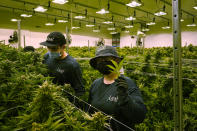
102 52
54 39
29 48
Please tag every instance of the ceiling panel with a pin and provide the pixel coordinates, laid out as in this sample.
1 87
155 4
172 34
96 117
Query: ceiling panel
118 12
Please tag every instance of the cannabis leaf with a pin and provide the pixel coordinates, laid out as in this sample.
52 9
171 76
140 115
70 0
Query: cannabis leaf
117 67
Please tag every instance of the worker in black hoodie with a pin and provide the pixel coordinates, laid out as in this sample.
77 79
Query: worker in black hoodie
116 96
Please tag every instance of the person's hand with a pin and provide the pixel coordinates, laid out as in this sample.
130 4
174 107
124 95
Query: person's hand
122 86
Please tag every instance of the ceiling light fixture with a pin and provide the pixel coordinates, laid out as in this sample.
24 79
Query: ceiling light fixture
96 30
107 22
62 21
165 27
151 23
191 25
134 4
60 1
160 13
111 28
25 15
14 20
75 27
130 18
128 26
40 9
140 33
145 29
195 7
182 20
49 24
113 33
102 11
79 17
89 25
126 31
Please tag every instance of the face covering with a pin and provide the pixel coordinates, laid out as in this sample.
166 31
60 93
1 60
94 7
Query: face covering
54 55
103 68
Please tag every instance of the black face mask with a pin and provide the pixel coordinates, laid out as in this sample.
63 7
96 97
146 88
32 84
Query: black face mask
103 68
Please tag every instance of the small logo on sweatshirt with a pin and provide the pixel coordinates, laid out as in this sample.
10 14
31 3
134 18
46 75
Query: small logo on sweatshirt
112 98
60 70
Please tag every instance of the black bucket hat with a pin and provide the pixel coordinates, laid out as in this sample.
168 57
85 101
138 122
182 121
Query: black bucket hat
54 39
104 51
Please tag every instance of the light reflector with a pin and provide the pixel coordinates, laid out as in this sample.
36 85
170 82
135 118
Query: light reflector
102 11
128 26
160 13
134 4
89 25
60 1
25 15
40 9
49 24
62 21
130 18
107 22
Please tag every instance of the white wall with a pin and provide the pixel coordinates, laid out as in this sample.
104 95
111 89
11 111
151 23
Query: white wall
161 40
127 41
34 38
155 40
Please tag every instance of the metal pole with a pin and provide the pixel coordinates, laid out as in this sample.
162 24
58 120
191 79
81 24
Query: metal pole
24 40
19 33
177 70
143 44
89 47
67 42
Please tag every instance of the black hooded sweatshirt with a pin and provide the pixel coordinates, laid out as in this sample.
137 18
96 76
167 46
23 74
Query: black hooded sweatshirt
130 110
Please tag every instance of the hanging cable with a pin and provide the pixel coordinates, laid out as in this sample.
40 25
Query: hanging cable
108 6
10 109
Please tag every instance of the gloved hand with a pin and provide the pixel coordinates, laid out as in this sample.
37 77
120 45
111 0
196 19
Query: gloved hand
122 86
122 90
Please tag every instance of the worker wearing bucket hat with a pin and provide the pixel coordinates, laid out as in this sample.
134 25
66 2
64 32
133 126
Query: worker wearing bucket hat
62 66
116 96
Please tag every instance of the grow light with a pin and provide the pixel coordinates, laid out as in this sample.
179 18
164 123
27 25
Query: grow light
130 18
128 26
107 22
134 4
113 33
40 9
79 17
195 7
60 1
62 21
49 24
89 25
96 30
151 23
165 27
25 15
160 13
191 25
145 29
102 11
111 28
75 27
14 20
